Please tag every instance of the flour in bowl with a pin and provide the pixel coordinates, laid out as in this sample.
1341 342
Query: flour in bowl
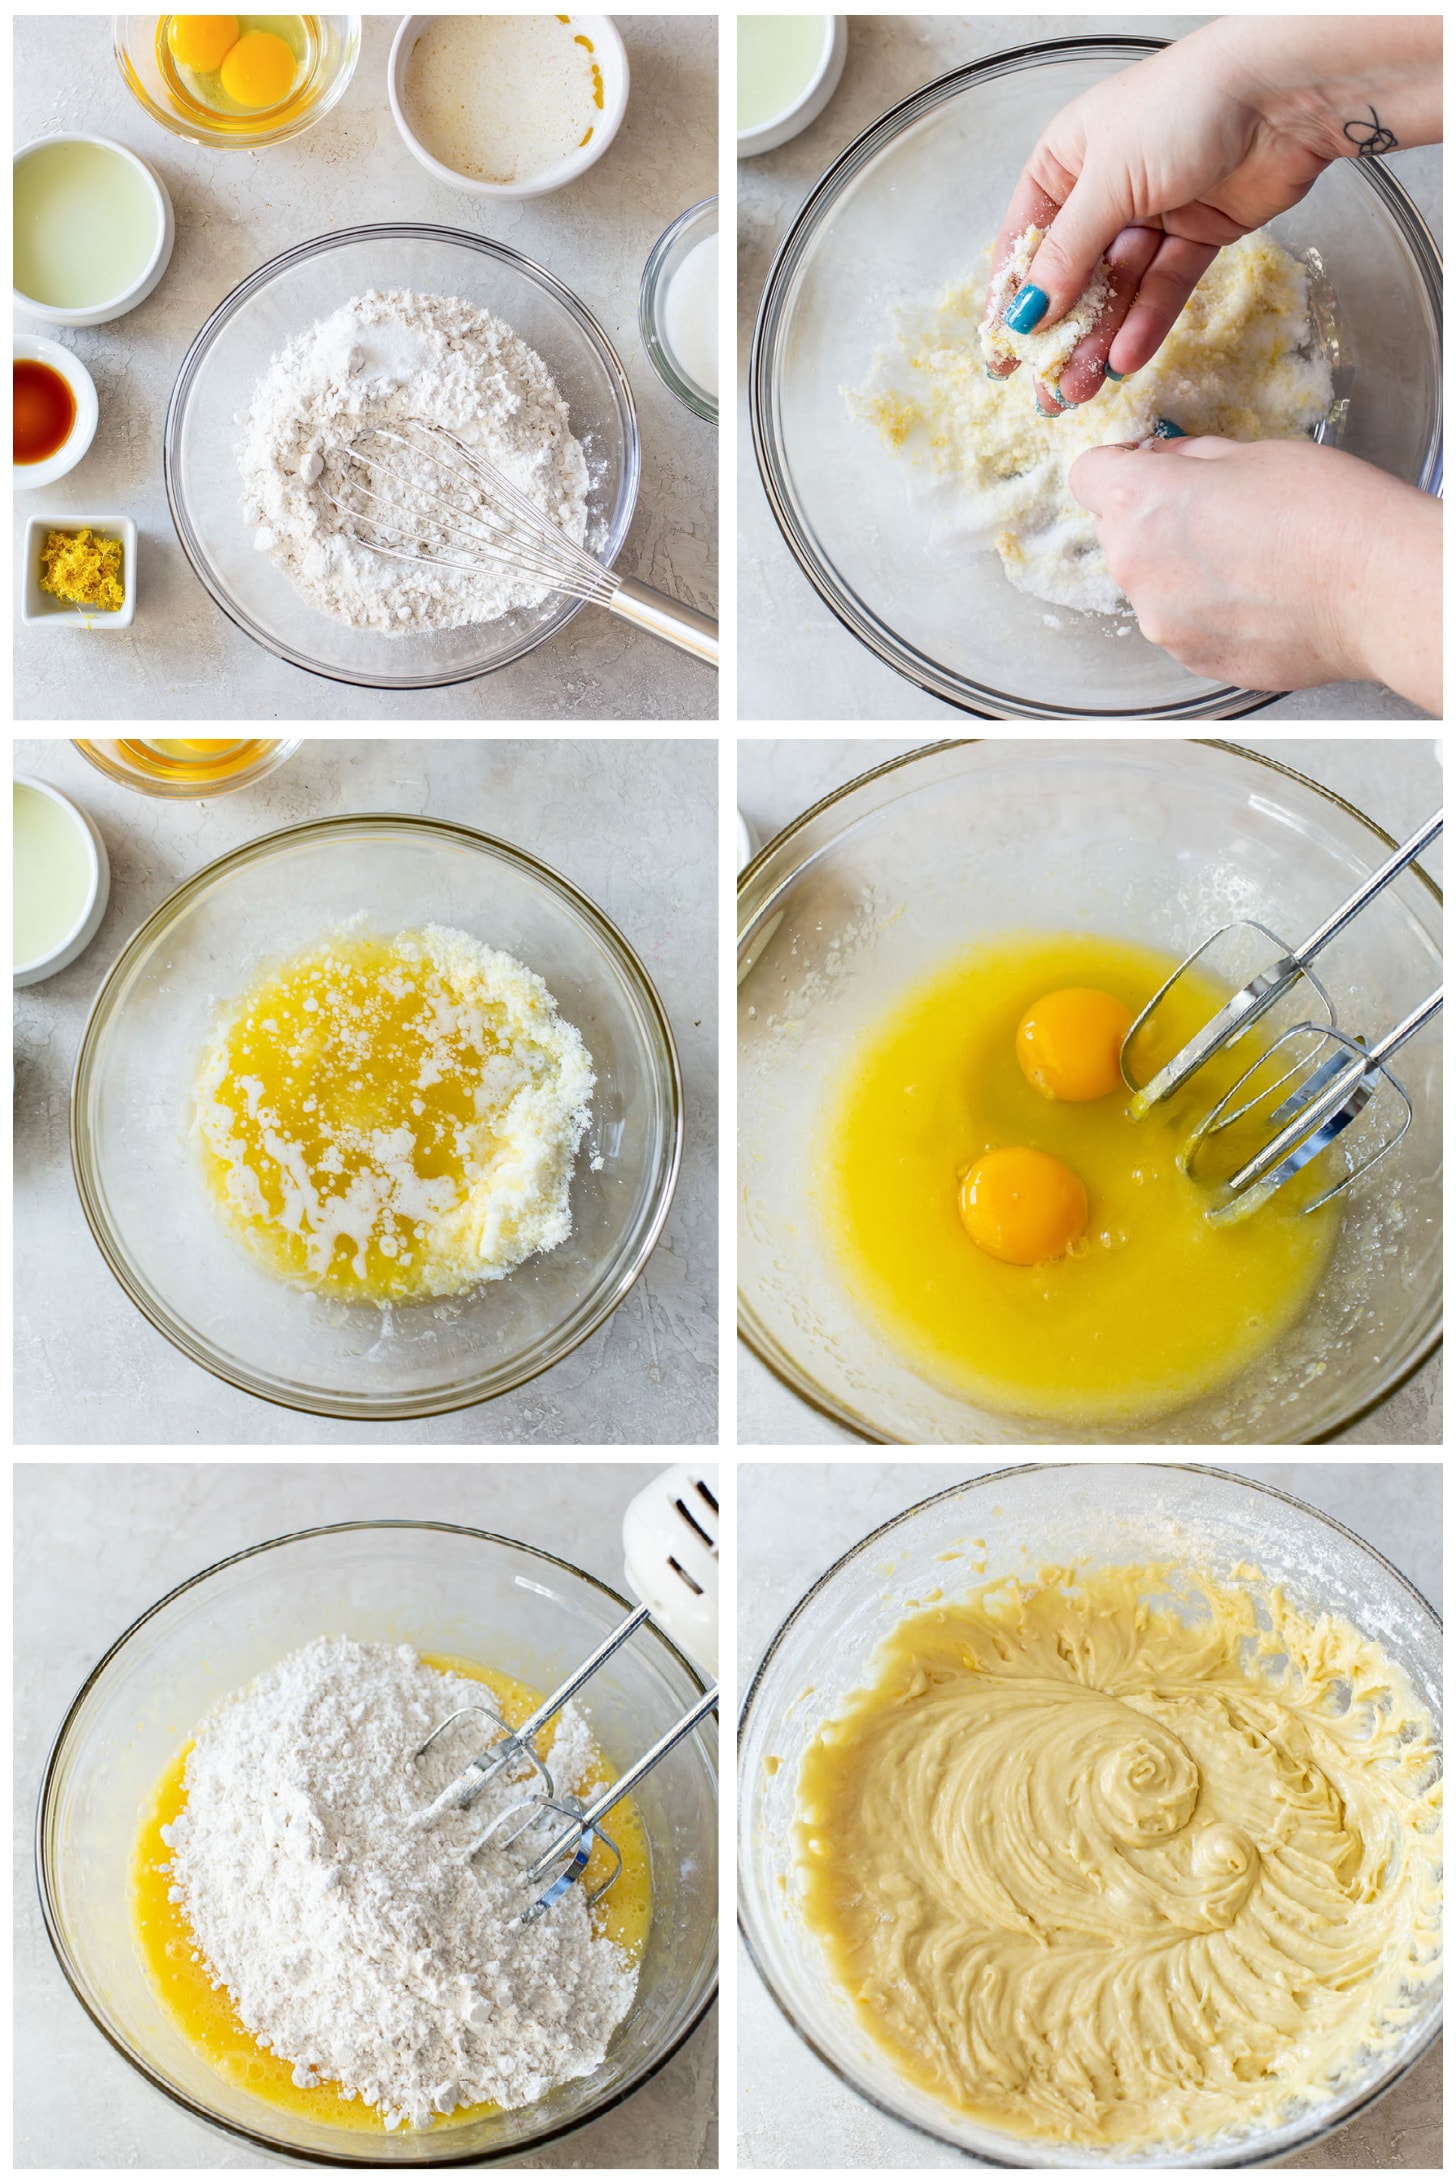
387 358
1243 361
359 1945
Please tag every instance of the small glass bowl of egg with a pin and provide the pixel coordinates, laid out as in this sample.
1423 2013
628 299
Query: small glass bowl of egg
246 80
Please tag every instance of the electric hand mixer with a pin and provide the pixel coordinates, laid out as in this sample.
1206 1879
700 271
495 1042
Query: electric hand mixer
670 1537
1308 1085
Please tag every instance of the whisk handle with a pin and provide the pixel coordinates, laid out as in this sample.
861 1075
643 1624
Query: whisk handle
666 618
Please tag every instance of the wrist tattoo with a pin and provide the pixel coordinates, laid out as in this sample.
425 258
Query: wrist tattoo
1370 138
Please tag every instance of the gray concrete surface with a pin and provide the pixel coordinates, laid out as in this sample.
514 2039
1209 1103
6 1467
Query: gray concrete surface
125 1534
630 822
795 661
1397 783
235 210
796 1519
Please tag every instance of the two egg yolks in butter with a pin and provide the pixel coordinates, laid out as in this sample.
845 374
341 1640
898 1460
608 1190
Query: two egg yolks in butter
1004 1218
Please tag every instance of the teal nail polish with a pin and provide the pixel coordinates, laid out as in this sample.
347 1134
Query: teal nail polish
1060 399
1027 308
1165 429
1111 374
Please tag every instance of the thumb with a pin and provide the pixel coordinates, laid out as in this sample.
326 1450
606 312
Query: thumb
1094 213
1102 477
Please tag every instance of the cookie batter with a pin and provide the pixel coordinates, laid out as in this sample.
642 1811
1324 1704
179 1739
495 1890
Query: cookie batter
1100 1872
1243 361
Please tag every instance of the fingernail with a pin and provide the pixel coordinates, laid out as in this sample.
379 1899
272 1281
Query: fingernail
1060 399
1027 308
995 376
1111 374
1165 429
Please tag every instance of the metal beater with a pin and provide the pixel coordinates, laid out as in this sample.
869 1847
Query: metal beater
475 512
671 1536
1307 1087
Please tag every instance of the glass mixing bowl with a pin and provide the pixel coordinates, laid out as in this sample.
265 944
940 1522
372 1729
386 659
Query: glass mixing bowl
333 55
1036 1515
444 1589
186 770
284 298
1151 841
882 232
142 1188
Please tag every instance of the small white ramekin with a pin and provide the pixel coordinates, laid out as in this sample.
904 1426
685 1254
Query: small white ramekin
88 924
99 314
610 55
42 609
812 102
31 349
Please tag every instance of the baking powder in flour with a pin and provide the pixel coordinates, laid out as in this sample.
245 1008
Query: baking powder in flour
357 1944
391 357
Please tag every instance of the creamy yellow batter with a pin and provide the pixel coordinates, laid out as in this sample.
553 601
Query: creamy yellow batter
1096 1872
205 2013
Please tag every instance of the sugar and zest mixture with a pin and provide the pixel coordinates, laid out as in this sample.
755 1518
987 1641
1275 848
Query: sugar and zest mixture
389 357
1241 361
395 1117
1127 1856
1044 348
359 1945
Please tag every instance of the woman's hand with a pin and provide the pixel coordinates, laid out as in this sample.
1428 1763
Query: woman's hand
1158 167
1273 565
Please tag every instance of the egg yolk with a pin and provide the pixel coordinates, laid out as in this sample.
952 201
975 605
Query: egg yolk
260 69
1023 1206
202 41
1069 1041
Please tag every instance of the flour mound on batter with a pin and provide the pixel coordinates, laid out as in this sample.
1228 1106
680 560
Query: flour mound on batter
1046 348
1242 361
385 358
358 1945
1128 1856
393 1118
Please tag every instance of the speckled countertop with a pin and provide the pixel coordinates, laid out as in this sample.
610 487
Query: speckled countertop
795 662
793 2113
633 825
1397 783
124 1534
235 210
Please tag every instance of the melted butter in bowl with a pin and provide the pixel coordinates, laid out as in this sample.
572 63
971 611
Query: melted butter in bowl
391 1118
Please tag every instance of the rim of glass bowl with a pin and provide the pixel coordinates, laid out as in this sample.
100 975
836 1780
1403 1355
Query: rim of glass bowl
664 363
395 231
750 911
43 1861
195 132
182 1338
844 603
1251 2158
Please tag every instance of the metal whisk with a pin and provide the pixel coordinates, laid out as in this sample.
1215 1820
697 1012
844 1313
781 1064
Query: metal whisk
1305 1089
468 512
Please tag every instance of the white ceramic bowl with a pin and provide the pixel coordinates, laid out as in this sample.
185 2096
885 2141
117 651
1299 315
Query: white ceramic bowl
812 101
115 307
98 894
611 56
33 349
42 610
